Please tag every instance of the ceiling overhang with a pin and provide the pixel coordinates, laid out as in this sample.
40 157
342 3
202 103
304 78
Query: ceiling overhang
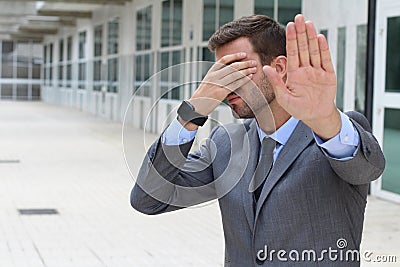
32 20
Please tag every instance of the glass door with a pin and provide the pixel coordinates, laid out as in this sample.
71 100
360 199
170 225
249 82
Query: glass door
387 97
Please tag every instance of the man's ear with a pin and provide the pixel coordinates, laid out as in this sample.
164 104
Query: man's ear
280 65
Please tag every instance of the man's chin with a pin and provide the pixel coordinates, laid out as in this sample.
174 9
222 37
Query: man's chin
237 115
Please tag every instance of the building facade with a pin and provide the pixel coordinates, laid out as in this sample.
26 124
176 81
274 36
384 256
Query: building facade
123 59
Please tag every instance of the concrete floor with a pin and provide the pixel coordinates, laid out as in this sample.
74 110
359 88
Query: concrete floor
60 158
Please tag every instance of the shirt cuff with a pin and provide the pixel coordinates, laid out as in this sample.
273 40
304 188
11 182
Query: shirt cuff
344 145
176 134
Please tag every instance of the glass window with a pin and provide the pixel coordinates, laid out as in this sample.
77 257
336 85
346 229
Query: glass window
69 48
176 60
98 40
138 75
97 75
176 92
50 76
112 75
165 23
35 91
284 12
264 7
225 11
171 78
341 60
287 10
209 18
143 70
171 23
45 71
37 60
68 66
113 33
45 53
81 75
147 65
147 29
208 57
7 59
392 55
215 14
68 76
176 75
51 53
36 69
325 33
60 75
177 23
24 53
61 51
22 91
391 149
165 82
60 66
82 45
6 91
143 29
361 64
206 60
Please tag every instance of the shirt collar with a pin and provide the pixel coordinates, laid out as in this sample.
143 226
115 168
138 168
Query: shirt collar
282 134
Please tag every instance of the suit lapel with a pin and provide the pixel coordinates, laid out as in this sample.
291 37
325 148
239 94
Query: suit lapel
251 143
297 142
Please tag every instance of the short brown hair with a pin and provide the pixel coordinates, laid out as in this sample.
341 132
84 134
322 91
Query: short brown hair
265 34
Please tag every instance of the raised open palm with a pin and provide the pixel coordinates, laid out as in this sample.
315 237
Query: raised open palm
310 88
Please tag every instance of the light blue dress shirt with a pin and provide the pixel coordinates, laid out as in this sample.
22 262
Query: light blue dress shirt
343 146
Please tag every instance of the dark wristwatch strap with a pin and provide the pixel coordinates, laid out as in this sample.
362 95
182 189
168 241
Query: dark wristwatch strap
187 113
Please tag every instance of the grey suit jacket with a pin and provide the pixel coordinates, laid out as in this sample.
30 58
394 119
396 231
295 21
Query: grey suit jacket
311 206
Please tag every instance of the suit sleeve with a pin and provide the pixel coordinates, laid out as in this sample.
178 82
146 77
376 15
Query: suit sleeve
368 162
170 178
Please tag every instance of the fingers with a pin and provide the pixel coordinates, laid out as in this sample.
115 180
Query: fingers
326 60
277 83
236 75
237 66
291 47
302 40
302 44
232 73
226 60
238 83
313 46
237 79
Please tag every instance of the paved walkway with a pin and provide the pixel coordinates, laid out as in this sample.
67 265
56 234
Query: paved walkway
53 157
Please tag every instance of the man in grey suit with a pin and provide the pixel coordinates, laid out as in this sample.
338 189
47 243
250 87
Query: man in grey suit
292 180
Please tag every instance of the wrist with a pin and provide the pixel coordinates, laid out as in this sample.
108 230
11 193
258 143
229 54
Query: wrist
327 127
190 126
202 105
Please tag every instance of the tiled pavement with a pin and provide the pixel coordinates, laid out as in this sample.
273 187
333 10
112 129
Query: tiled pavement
61 158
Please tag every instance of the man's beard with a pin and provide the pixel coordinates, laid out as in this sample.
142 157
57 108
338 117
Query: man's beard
258 99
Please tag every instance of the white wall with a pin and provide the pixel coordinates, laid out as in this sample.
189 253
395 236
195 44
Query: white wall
337 13
330 15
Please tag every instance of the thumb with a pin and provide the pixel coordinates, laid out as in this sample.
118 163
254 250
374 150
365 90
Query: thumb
275 80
